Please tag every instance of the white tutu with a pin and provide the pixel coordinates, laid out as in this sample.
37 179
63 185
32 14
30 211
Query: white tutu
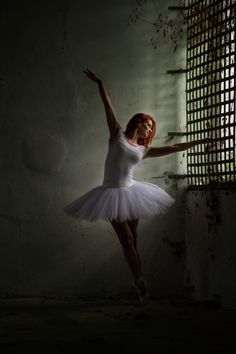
120 197
141 200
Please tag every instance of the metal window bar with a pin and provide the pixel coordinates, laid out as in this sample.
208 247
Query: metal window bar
210 91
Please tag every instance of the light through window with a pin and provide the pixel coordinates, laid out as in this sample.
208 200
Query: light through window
210 91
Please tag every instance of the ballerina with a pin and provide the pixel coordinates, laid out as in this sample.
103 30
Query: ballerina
120 199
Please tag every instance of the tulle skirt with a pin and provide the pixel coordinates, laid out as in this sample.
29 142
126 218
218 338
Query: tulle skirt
140 200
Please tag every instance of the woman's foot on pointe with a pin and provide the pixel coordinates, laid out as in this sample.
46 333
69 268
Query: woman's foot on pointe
142 287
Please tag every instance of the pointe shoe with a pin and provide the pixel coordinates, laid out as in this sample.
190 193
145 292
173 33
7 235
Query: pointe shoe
142 288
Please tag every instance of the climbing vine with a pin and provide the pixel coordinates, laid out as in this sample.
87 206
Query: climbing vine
163 25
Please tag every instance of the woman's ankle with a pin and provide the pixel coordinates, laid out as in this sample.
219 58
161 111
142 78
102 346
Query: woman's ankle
140 281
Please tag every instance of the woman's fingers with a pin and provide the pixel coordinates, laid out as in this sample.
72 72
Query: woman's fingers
87 72
90 72
91 75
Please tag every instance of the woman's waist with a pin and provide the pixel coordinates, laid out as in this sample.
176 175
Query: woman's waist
117 183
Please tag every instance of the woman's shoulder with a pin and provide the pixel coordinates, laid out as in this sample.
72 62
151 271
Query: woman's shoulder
117 133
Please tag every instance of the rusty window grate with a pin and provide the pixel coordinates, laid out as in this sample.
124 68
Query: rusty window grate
210 91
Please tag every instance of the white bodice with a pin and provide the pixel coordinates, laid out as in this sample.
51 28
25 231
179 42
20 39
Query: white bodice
121 159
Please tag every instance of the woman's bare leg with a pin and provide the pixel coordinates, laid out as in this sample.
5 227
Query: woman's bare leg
128 242
133 224
127 234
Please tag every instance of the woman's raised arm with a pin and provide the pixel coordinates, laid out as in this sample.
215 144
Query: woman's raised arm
166 150
112 121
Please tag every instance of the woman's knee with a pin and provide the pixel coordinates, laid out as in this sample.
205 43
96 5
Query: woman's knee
133 224
127 240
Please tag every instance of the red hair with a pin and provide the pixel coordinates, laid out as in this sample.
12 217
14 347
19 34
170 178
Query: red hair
139 118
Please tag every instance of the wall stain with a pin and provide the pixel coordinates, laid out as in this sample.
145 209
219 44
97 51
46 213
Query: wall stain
178 247
213 214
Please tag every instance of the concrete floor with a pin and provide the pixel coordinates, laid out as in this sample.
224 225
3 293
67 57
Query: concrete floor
114 326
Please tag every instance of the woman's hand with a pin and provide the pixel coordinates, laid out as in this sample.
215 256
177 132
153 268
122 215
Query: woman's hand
91 75
112 122
210 143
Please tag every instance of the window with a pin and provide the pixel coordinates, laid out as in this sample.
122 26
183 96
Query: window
210 91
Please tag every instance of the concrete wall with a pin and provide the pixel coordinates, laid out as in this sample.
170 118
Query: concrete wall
54 141
210 243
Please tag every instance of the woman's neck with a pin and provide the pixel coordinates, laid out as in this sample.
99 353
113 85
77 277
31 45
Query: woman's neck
133 137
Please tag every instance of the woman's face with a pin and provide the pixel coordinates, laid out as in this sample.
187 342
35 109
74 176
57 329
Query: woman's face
145 128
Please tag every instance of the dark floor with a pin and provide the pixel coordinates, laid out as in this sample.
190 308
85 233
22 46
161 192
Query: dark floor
115 326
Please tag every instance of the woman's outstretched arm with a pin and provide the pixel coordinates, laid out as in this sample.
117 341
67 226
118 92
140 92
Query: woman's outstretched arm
112 121
166 150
